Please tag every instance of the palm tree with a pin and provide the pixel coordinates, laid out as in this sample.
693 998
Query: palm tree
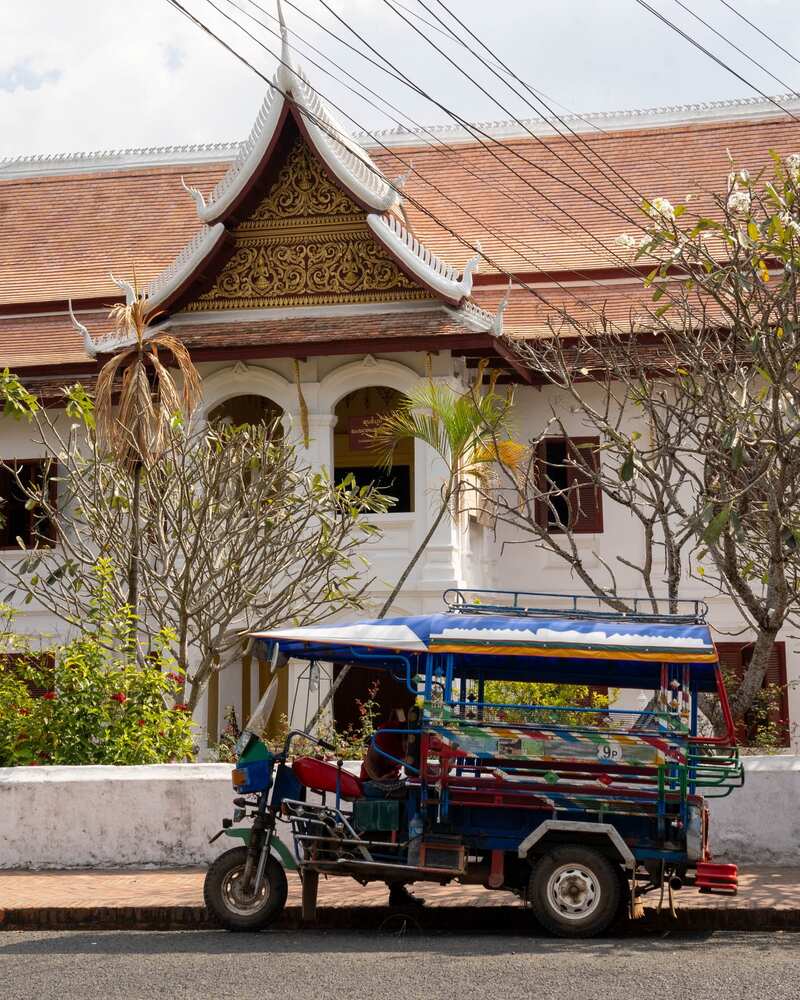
135 433
468 430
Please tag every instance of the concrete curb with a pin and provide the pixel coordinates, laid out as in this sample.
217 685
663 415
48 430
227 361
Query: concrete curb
441 919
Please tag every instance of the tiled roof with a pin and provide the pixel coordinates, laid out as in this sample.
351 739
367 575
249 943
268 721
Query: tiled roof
436 322
42 339
63 232
61 235
50 339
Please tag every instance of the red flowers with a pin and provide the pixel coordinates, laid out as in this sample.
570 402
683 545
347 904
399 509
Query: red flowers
175 678
49 696
180 707
120 696
24 711
141 722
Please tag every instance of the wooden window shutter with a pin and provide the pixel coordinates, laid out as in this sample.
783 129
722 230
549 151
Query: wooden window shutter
734 658
541 511
586 498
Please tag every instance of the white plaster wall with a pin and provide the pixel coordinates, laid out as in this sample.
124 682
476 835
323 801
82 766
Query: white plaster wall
108 817
527 567
760 823
164 814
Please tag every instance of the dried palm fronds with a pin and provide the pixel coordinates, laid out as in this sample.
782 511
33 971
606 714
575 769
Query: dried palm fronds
149 398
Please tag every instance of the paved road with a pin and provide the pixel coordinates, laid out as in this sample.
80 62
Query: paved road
322 966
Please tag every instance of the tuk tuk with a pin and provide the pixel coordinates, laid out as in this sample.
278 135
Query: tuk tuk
579 809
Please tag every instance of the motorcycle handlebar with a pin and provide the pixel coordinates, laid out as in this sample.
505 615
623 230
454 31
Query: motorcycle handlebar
306 736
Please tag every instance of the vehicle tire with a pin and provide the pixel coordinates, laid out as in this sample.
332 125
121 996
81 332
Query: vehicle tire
574 891
224 898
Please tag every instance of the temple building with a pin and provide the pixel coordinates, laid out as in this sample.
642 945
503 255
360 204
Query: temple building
303 256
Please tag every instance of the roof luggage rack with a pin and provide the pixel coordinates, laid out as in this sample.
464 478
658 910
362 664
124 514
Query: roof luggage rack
536 604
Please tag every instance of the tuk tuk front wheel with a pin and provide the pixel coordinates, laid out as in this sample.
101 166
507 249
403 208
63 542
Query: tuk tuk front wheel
236 908
574 891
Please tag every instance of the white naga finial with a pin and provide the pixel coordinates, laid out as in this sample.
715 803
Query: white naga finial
400 181
197 196
286 67
127 287
88 343
497 322
470 268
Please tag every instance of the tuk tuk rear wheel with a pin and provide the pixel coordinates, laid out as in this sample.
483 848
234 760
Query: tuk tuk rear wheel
236 909
574 891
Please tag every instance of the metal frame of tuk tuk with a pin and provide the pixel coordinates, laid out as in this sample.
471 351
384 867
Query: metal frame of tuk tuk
493 775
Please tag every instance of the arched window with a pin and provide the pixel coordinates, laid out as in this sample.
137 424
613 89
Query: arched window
355 412
249 409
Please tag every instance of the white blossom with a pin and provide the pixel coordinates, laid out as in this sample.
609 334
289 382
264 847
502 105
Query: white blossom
626 241
739 202
660 208
793 166
790 222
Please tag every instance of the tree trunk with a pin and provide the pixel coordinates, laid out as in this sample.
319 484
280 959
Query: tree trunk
448 495
753 679
136 541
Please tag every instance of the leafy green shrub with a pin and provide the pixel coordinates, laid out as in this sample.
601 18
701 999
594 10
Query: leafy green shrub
88 701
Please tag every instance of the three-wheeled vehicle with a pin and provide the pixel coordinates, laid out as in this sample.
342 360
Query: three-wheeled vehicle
578 809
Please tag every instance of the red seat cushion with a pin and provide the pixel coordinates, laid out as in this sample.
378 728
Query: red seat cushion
321 776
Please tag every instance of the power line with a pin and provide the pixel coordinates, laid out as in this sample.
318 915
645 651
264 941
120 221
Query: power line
498 235
788 88
435 187
339 136
579 138
763 34
480 135
323 126
503 108
716 59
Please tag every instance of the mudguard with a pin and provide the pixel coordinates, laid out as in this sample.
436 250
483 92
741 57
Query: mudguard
279 849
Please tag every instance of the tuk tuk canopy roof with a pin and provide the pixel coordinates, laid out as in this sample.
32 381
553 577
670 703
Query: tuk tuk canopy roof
566 650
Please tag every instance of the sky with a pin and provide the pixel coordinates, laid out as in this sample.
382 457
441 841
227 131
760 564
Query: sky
81 75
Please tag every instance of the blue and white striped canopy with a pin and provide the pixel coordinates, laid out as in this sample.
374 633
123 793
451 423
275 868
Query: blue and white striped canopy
490 638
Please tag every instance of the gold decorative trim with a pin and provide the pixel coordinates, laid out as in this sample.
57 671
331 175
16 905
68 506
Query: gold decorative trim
306 243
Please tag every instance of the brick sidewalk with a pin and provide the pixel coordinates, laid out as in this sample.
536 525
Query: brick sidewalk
768 896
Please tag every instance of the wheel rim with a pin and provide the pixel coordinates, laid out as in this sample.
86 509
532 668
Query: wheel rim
237 900
573 891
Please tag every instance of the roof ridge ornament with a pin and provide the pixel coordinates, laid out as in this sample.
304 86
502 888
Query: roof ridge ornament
471 268
131 295
286 68
400 181
196 195
89 345
497 322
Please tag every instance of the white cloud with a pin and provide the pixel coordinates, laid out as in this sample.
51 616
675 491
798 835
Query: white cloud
113 73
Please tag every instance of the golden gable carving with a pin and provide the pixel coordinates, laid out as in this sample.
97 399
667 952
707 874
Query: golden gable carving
306 243
302 191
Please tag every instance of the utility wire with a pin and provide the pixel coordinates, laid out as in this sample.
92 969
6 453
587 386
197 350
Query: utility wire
581 143
716 59
323 126
461 160
502 238
518 121
488 142
443 194
447 33
625 264
763 34
787 87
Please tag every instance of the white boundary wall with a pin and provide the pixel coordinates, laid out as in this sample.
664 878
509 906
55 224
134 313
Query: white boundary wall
163 814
